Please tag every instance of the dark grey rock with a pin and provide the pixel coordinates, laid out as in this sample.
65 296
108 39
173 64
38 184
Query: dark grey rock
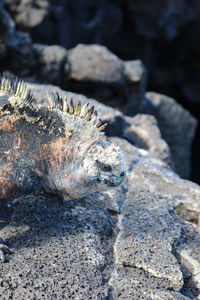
147 232
136 79
51 63
177 126
94 63
100 74
15 46
62 251
62 23
155 19
20 55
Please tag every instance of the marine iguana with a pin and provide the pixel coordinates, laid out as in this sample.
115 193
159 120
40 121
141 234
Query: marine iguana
60 148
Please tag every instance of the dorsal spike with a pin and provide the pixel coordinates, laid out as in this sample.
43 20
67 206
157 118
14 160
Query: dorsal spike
71 107
89 114
15 90
67 108
84 110
103 126
98 124
61 103
65 105
24 92
54 99
19 86
57 99
78 109
51 100
29 98
94 118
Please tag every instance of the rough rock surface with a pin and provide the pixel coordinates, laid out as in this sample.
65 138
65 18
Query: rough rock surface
139 241
178 129
61 251
142 131
154 240
98 65
28 14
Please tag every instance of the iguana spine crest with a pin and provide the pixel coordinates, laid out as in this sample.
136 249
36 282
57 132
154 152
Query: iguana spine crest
15 91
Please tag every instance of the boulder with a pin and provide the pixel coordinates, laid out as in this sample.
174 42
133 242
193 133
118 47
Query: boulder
157 232
15 46
95 63
100 74
51 63
142 131
27 13
177 126
61 251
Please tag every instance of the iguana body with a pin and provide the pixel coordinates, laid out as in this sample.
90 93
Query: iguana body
60 149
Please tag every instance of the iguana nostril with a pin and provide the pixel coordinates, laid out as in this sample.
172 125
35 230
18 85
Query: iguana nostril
122 174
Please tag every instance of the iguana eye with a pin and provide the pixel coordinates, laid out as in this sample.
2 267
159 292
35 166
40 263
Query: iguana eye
104 167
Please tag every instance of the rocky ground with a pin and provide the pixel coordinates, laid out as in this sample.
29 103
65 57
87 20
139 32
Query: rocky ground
139 241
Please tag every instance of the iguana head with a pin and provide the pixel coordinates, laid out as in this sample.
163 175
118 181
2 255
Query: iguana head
92 163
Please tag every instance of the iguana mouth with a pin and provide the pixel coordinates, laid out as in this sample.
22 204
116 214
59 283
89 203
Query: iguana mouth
114 180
